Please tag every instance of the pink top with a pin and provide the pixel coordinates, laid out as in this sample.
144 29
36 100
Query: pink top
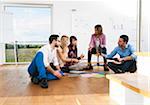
102 40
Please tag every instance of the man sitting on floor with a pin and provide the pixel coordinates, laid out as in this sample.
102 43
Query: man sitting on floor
127 60
40 69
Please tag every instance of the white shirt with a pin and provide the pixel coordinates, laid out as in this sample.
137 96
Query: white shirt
49 55
97 43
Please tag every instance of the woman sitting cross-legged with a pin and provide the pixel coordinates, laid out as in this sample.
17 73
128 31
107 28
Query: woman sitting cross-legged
73 53
67 62
62 54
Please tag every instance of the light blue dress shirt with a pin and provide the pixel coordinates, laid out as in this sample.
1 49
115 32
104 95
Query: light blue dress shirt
128 51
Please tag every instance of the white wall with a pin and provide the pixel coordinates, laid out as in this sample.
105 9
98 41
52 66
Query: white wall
79 18
0 23
145 28
1 45
143 65
28 1
2 54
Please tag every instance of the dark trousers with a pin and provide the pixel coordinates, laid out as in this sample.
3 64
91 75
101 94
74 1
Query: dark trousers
127 66
93 51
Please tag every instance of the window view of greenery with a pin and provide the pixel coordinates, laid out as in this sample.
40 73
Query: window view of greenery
10 55
27 28
24 52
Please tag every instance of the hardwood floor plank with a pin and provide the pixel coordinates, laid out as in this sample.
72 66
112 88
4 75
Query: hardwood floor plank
17 89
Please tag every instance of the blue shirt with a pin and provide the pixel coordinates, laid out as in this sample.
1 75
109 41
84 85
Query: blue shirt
128 51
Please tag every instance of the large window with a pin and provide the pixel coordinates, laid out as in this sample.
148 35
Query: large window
30 23
30 29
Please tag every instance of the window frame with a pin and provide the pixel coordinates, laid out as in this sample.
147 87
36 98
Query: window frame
31 5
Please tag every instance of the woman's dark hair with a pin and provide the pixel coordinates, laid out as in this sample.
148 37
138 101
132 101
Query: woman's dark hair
71 39
53 37
98 26
125 38
75 51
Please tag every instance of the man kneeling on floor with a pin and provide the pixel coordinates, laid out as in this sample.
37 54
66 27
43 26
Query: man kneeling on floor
40 69
127 60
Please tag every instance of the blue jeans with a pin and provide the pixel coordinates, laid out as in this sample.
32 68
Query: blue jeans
37 68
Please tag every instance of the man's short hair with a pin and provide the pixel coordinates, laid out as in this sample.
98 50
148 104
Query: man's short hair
53 37
125 38
64 36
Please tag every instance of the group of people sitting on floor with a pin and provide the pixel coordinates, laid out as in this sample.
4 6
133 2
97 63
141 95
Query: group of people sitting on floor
53 60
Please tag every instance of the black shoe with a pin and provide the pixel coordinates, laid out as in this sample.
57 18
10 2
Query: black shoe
43 83
98 64
119 71
134 68
65 69
105 68
89 67
34 80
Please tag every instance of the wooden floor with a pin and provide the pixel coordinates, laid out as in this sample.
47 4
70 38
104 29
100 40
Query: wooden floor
16 89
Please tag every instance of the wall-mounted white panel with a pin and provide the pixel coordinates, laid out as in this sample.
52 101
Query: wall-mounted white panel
145 26
79 18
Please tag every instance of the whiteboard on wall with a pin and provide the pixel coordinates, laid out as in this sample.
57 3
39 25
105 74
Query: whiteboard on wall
83 23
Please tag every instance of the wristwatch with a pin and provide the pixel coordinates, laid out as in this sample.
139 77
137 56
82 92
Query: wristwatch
122 61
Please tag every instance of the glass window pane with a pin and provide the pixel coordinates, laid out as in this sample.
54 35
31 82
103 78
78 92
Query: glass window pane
9 51
30 25
26 52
